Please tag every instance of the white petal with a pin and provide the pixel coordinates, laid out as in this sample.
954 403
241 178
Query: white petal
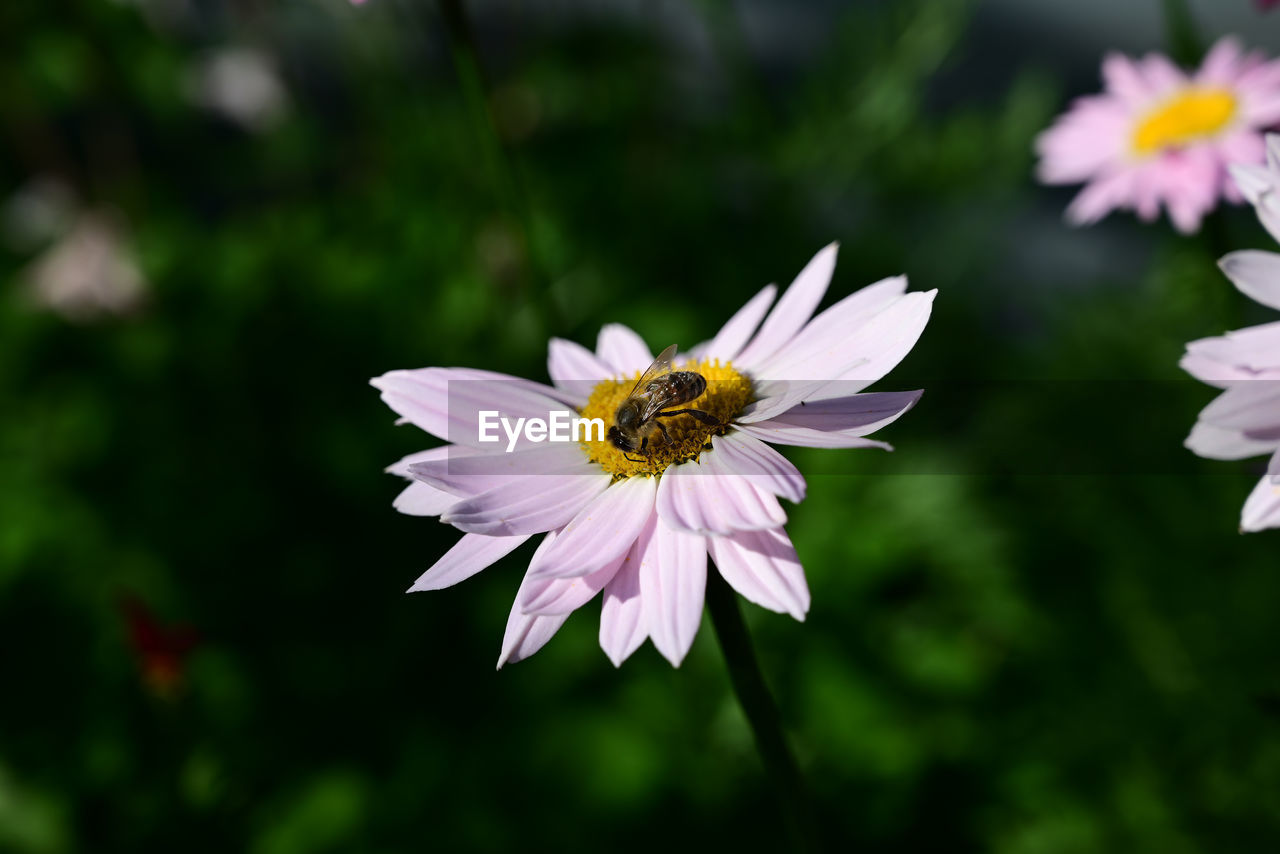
792 311
1262 508
601 533
704 497
761 465
468 556
1256 274
731 338
622 350
447 402
574 368
526 634
804 437
419 499
762 566
838 323
622 626
527 505
1217 443
672 587
855 415
476 473
1250 406
862 356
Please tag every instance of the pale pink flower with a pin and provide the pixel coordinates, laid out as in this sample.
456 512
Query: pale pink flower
1159 136
1244 421
638 529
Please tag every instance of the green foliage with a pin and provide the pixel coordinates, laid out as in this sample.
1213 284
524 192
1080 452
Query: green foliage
1022 640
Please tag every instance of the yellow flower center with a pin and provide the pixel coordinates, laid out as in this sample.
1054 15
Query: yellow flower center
1192 115
727 393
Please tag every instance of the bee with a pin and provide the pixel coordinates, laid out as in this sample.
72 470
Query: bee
657 390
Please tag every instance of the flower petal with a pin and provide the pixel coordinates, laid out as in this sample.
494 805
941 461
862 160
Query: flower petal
1262 508
419 499
1256 274
855 415
777 433
705 497
1217 443
762 566
792 311
528 505
1251 406
601 533
623 350
574 368
472 474
622 625
446 402
468 556
672 587
526 634
761 465
734 335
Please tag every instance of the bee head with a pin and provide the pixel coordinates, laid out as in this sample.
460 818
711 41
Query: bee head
621 442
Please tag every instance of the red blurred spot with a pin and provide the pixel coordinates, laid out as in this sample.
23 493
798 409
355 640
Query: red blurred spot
161 649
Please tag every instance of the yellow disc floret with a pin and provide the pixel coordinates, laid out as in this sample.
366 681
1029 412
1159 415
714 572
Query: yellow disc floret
1192 115
727 393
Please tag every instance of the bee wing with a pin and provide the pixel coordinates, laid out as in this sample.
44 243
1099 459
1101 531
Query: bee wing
660 366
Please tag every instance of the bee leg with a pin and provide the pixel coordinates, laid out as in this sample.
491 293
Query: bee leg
665 435
696 413
633 459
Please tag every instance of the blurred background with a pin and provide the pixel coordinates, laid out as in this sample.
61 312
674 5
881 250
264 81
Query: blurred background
220 218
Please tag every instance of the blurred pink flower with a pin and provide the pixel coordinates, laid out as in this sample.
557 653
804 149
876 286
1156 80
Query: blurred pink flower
638 527
1244 421
90 272
1267 5
1158 136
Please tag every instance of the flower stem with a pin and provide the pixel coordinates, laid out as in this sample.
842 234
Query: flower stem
757 703
1180 29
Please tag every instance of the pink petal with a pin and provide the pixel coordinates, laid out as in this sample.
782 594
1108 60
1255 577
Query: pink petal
734 335
704 497
446 402
1250 407
526 634
1262 508
468 556
472 474
1122 79
601 533
762 566
761 465
622 350
528 505
575 368
1101 196
673 581
622 625
792 311
1221 64
1217 443
856 415
777 433
880 344
419 499
1256 274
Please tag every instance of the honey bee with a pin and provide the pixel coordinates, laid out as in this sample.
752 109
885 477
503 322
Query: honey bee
657 390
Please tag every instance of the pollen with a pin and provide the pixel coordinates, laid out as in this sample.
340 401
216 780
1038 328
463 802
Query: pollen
1192 115
727 393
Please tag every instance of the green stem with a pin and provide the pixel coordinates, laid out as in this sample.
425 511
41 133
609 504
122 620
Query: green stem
1183 36
757 703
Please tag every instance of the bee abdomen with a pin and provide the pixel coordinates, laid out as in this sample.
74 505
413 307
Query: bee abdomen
679 387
